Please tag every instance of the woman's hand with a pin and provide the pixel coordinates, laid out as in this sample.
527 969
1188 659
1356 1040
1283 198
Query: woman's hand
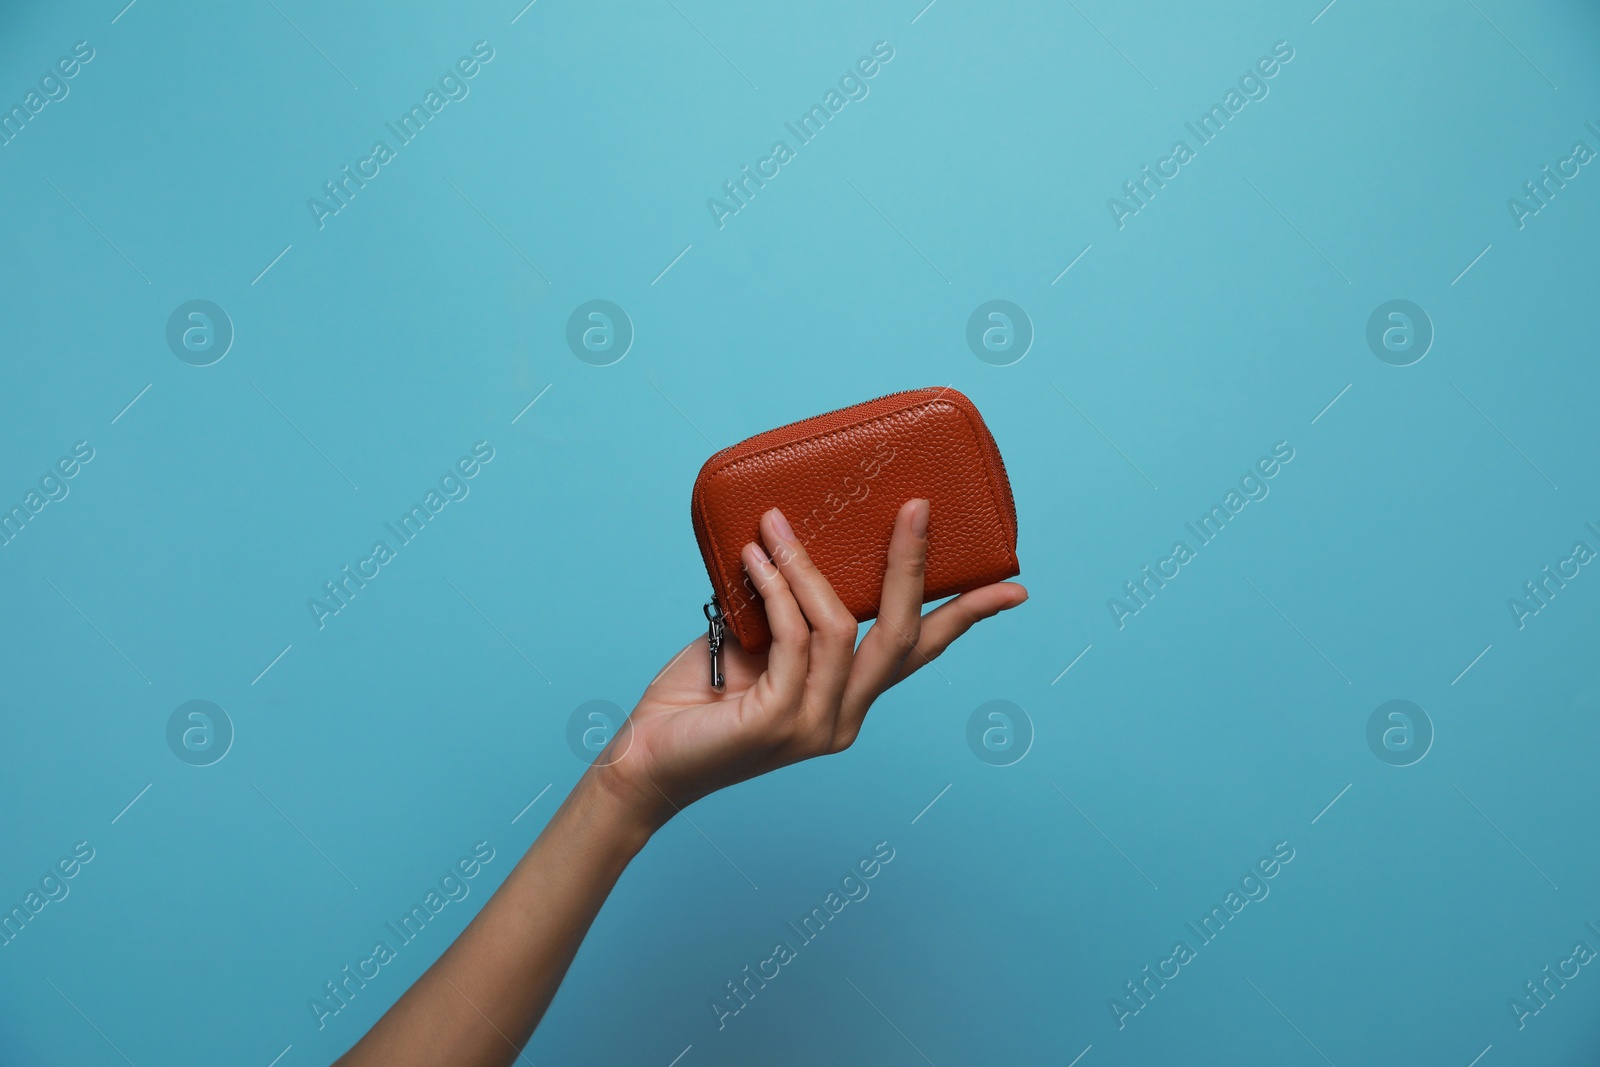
806 696
480 1001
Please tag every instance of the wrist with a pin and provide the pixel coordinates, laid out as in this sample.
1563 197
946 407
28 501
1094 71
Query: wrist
613 800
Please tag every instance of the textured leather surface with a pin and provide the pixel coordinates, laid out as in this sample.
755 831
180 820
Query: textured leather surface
840 479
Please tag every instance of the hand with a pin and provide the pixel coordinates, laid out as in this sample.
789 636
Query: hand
807 695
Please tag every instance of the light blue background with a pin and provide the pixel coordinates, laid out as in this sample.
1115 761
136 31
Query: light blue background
415 323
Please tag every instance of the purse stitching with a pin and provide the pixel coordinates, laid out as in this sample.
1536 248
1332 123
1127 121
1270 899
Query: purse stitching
989 479
716 555
826 433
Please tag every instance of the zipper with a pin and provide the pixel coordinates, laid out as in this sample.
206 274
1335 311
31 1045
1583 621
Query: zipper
836 411
714 631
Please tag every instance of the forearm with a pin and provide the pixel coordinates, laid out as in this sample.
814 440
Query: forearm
479 1003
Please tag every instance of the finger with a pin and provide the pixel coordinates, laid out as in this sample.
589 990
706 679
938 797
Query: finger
791 639
824 611
944 624
833 628
877 661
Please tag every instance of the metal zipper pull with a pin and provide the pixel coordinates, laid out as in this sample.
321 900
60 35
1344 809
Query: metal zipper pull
714 616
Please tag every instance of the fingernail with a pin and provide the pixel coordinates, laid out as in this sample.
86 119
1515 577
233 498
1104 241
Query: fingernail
761 556
781 525
919 518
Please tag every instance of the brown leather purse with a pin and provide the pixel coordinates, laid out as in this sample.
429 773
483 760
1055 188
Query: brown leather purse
840 479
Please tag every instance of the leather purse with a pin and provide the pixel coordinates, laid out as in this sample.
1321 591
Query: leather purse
840 479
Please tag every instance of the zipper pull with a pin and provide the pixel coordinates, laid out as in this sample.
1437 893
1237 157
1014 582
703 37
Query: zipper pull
714 616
